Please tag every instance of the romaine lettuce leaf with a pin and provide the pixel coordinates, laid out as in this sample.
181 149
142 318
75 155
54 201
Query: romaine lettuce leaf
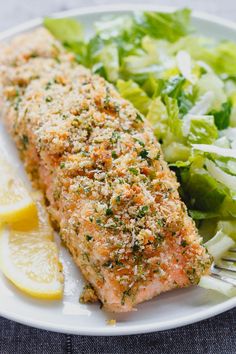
222 117
108 57
202 215
132 92
202 130
219 244
225 58
65 30
174 123
173 86
158 117
113 26
209 282
219 175
170 26
202 192
228 227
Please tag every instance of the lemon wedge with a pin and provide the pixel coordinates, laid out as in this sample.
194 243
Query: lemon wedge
30 261
15 201
39 222
29 256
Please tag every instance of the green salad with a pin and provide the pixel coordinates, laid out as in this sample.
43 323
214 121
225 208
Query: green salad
185 84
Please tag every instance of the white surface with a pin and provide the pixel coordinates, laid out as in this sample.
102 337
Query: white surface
14 12
169 310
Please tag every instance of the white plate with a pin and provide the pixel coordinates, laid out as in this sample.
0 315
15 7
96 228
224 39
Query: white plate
170 310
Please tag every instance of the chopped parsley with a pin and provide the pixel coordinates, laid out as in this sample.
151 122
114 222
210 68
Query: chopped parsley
118 199
88 237
134 171
159 238
125 293
98 221
140 142
139 117
115 137
136 246
160 223
17 103
114 155
25 141
142 211
109 212
48 99
48 85
143 154
184 243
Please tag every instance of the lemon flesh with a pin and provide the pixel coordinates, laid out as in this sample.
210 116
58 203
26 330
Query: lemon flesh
28 254
15 200
39 222
30 261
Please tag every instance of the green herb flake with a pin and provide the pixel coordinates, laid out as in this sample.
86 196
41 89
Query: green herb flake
142 211
136 246
124 295
158 155
114 155
119 263
184 243
159 238
118 199
17 103
134 171
140 142
109 212
25 141
115 137
88 237
139 117
160 223
48 85
143 154
48 99
98 221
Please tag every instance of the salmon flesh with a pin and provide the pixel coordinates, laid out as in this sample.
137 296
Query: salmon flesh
109 191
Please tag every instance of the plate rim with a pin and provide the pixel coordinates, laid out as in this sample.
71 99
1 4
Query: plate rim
126 329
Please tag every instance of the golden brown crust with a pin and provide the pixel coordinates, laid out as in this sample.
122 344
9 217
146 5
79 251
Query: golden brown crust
110 191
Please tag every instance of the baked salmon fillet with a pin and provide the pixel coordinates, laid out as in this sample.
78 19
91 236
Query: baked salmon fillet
109 191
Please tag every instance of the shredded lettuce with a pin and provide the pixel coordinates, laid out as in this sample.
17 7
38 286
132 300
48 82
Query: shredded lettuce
132 92
219 247
222 117
184 65
220 176
201 191
212 149
64 29
228 227
202 130
170 26
218 285
219 244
